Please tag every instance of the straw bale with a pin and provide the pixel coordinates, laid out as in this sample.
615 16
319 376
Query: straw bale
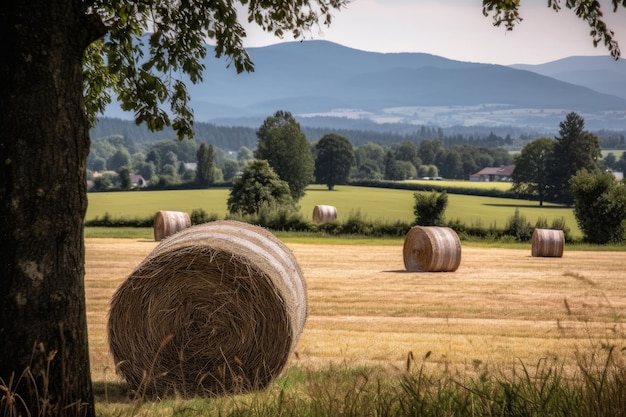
432 249
324 214
548 243
214 309
166 223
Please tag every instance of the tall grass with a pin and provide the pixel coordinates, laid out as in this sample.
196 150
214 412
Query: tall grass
595 386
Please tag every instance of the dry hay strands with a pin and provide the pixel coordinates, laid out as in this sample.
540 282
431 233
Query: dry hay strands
548 243
166 223
432 249
324 214
214 309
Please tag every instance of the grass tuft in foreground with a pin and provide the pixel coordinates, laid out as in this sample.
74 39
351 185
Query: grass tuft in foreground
595 386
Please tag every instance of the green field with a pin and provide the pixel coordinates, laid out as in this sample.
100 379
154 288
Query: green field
617 152
498 185
376 204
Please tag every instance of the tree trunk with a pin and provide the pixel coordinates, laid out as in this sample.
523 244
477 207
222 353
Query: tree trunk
44 143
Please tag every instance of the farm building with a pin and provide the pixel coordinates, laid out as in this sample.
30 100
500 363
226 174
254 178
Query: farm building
491 174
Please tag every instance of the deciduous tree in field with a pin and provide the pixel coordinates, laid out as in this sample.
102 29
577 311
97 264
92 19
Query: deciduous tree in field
335 158
574 149
283 144
531 168
205 167
62 62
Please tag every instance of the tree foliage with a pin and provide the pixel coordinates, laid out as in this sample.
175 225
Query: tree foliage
407 151
506 12
429 150
600 206
283 145
429 208
575 149
335 158
530 175
149 42
258 187
119 159
205 165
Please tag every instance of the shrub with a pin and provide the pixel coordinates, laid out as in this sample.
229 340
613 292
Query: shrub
199 216
258 188
559 224
330 228
283 218
518 227
356 224
542 223
397 228
108 221
429 208
600 206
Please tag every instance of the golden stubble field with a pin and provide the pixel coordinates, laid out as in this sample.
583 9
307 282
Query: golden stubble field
502 307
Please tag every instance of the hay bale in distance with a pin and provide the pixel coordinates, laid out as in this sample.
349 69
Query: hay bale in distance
548 243
214 309
166 223
432 249
324 214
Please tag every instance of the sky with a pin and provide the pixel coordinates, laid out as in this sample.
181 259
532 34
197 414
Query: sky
457 29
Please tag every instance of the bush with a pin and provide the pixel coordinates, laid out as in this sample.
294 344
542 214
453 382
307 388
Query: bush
108 221
257 189
397 228
329 228
199 216
559 224
283 218
542 223
519 228
600 206
429 208
356 225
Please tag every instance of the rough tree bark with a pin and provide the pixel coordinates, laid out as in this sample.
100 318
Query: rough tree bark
44 143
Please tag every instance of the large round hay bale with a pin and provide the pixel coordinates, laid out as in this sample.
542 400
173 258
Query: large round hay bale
214 309
324 214
166 223
432 249
548 243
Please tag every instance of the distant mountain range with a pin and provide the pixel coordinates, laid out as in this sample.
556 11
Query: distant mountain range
318 79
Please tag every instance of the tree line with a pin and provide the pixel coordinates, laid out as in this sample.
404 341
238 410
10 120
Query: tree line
231 138
170 163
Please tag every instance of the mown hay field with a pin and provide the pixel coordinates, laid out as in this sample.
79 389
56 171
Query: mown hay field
376 204
500 308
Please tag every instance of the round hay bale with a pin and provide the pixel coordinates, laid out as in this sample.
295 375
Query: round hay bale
324 214
548 243
214 309
166 223
432 249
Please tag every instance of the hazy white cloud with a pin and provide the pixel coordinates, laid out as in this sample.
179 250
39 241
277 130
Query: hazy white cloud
457 29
